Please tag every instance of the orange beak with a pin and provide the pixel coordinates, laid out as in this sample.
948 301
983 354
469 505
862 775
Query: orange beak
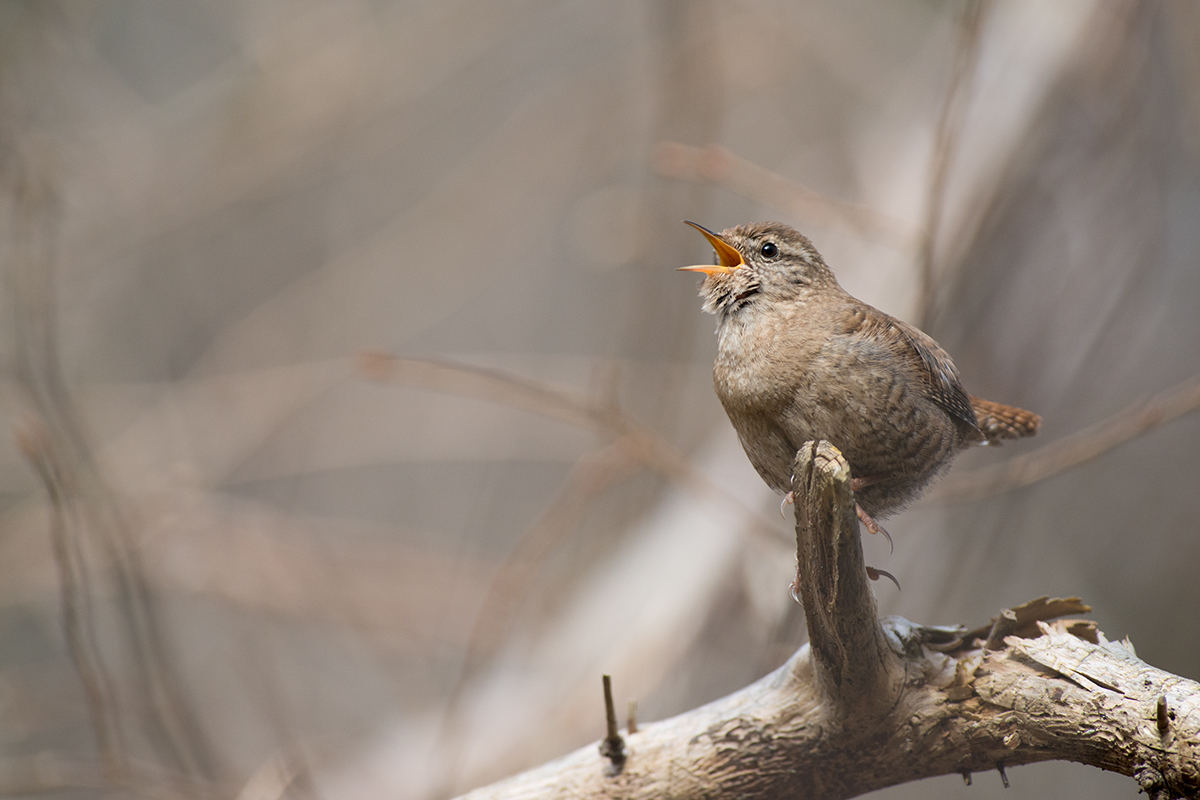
729 257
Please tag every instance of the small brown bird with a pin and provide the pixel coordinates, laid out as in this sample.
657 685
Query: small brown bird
798 358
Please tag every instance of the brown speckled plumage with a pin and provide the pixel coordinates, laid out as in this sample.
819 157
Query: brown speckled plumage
798 358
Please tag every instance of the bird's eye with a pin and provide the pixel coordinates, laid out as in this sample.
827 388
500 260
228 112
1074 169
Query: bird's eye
769 250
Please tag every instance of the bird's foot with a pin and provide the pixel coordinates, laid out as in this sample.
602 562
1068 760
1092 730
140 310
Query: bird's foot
858 484
872 526
875 574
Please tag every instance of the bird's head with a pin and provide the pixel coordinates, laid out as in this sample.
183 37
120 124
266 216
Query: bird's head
760 261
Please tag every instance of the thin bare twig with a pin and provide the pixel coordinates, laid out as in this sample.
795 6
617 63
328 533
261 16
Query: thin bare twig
612 746
591 476
77 620
64 458
1075 449
717 165
633 447
31 225
945 145
640 443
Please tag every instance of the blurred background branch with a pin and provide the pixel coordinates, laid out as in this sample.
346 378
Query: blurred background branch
945 145
238 558
1074 449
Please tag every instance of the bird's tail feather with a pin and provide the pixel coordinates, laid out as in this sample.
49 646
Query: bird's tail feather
998 422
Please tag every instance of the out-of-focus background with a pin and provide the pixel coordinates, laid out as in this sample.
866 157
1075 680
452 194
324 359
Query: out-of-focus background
360 421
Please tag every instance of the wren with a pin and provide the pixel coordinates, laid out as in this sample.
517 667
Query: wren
799 358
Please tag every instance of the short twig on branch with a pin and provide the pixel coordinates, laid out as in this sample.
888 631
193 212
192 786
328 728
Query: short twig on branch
873 703
612 746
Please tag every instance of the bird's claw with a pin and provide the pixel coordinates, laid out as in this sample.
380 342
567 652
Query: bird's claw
874 527
874 574
788 499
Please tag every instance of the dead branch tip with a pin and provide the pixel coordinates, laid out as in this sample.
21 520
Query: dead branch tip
613 746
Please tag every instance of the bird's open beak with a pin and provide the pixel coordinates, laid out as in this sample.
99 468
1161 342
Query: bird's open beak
729 257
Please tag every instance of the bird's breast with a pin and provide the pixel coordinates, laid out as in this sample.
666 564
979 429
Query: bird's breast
761 362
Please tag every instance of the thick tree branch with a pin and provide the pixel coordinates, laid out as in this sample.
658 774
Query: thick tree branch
870 703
